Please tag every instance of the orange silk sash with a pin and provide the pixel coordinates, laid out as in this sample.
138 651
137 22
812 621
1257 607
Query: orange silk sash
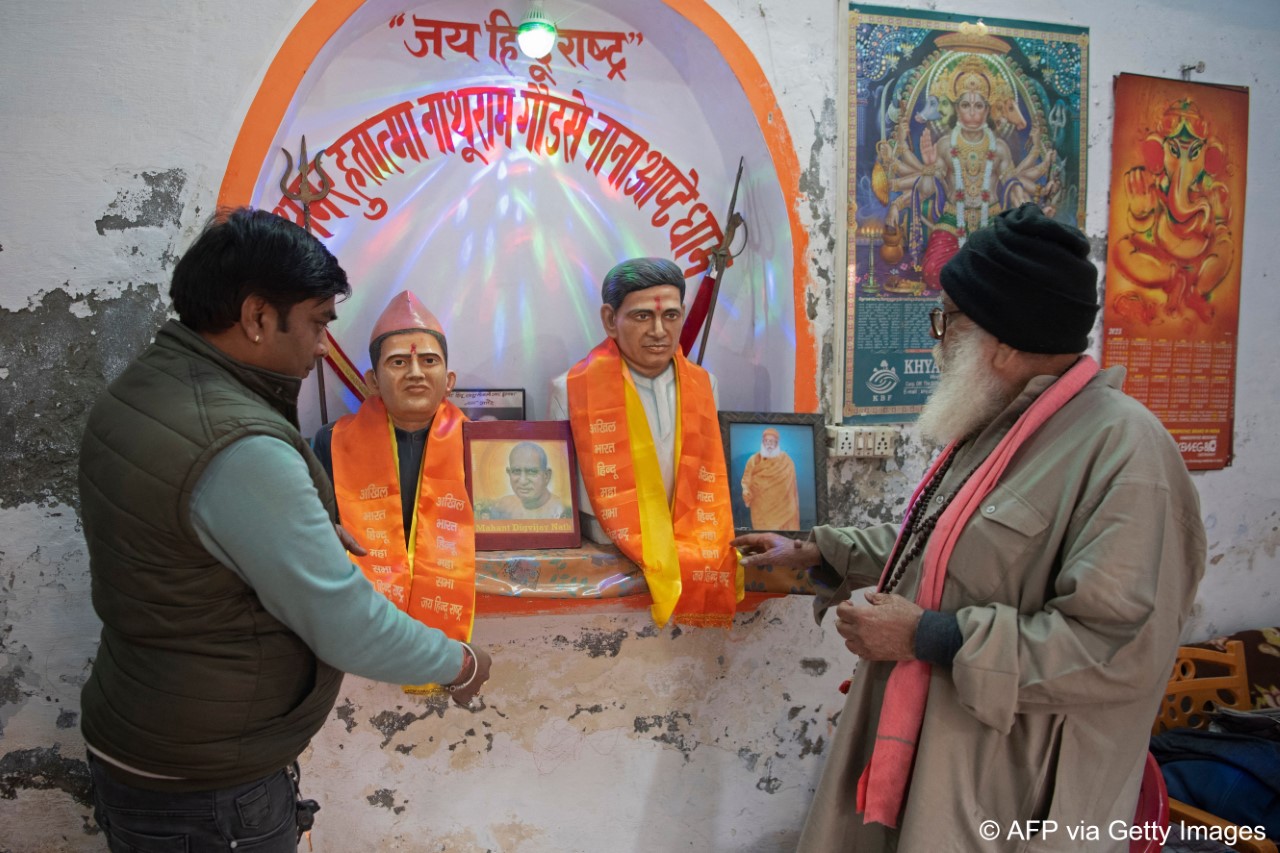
433 579
683 548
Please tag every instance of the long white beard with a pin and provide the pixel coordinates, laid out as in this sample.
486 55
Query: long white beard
968 396
767 453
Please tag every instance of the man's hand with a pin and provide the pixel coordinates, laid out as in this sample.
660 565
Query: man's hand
774 549
884 628
464 695
349 542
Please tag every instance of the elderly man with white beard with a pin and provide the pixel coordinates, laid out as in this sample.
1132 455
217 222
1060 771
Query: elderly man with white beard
769 486
1027 612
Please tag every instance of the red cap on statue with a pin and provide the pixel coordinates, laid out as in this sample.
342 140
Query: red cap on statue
403 313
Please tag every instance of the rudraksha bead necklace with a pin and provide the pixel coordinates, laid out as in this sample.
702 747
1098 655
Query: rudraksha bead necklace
919 528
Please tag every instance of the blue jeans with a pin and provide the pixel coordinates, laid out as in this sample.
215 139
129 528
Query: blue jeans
262 816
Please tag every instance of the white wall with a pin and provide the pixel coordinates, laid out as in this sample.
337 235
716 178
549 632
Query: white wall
598 733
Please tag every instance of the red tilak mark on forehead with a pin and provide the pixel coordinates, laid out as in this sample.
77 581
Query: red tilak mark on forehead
413 349
657 304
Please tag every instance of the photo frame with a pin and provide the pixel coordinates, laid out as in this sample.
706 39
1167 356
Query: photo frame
522 476
489 404
773 496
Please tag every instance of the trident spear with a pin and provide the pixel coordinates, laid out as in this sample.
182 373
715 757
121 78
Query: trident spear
307 195
704 302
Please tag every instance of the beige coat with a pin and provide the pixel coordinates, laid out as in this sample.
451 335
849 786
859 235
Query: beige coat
1071 585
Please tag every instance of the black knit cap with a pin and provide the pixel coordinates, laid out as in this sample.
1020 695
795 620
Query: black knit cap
1027 280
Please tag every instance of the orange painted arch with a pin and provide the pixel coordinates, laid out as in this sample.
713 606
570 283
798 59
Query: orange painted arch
326 17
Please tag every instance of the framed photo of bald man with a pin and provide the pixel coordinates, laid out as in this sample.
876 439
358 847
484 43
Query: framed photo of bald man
777 466
521 476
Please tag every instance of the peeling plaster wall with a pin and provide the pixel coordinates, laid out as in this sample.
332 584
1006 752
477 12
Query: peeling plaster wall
598 732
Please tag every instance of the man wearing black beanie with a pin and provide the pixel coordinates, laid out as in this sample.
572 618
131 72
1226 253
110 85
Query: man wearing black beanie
1029 606
1028 280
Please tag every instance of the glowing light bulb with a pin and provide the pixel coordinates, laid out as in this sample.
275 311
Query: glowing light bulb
536 34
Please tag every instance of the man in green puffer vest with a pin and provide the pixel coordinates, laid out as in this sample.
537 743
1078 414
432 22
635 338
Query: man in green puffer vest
230 609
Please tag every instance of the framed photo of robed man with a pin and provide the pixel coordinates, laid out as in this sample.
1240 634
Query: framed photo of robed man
777 470
521 476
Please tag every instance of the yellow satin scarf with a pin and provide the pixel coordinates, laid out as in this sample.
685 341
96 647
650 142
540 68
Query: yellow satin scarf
683 547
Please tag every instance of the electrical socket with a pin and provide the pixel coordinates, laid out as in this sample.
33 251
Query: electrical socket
861 442
882 441
841 441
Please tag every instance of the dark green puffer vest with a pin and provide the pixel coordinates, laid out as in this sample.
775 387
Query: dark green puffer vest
194 678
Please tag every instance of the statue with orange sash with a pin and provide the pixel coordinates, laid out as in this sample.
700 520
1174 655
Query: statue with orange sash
397 471
647 437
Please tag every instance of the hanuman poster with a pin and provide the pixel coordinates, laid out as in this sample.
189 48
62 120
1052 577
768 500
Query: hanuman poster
1173 267
951 121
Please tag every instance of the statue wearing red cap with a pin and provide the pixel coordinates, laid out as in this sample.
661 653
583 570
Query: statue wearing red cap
397 471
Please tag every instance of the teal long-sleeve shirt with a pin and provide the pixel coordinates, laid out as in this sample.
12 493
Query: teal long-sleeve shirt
274 533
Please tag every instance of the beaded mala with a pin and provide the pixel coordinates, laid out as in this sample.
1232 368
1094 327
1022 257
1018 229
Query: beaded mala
919 529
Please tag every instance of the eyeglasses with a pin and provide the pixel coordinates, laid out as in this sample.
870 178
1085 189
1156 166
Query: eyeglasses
525 472
938 321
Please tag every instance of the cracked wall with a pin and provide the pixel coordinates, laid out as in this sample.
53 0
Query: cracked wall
653 728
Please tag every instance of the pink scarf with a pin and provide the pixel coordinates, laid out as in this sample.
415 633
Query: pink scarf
882 788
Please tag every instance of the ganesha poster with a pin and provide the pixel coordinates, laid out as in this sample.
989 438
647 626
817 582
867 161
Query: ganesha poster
952 119
1172 301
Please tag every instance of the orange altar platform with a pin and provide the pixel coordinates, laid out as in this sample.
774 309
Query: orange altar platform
597 577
